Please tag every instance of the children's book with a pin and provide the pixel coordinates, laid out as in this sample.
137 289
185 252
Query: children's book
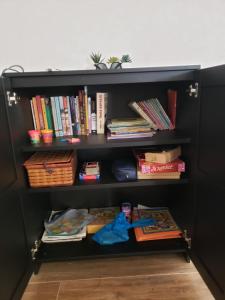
164 227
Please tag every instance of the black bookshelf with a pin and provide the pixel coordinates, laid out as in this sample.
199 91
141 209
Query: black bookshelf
88 248
100 141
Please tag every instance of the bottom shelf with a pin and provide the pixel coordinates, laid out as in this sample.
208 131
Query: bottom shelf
87 248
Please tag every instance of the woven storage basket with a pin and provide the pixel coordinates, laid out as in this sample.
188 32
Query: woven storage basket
51 168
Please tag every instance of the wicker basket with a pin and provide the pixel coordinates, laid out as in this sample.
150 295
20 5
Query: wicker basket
51 168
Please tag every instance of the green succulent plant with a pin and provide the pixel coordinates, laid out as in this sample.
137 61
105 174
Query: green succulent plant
113 59
126 59
96 57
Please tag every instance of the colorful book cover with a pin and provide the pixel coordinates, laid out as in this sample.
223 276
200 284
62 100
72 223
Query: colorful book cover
48 113
163 114
137 107
33 116
73 114
157 118
164 228
86 110
40 113
102 216
89 115
34 101
44 112
93 117
82 112
58 114
54 115
62 115
77 110
70 129
101 105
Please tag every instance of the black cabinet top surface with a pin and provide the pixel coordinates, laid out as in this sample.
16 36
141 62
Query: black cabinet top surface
98 77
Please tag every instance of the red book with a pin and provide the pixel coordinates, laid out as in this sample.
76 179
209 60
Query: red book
172 106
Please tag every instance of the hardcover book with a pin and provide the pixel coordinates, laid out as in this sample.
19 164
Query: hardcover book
103 216
164 228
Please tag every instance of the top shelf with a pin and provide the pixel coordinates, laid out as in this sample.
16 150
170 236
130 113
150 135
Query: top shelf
100 77
100 141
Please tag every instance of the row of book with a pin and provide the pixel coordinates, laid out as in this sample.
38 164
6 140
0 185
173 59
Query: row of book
70 115
153 112
164 226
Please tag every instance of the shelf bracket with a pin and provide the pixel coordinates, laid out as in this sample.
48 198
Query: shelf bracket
193 91
187 239
12 97
34 249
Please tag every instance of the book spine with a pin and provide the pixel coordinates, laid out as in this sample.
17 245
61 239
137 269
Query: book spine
172 106
54 115
86 110
100 112
44 113
34 101
93 117
40 114
48 113
33 116
89 115
155 115
62 115
163 114
70 131
73 115
57 104
77 111
143 112
81 109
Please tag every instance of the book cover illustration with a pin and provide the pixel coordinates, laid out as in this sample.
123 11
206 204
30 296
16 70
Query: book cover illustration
164 228
102 216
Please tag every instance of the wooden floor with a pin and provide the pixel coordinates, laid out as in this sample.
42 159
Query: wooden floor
159 277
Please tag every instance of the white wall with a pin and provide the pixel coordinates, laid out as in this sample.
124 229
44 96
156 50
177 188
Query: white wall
62 33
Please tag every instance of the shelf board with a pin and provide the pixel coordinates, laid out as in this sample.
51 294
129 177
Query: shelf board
87 248
93 185
100 141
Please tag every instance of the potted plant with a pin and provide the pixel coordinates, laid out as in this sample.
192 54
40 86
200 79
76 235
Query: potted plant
98 61
116 63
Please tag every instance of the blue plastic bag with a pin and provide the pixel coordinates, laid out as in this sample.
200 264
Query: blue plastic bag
117 231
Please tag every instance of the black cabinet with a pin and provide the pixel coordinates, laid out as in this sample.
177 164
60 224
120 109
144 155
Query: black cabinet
196 200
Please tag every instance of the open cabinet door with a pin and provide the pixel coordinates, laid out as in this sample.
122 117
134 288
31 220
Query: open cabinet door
208 247
13 246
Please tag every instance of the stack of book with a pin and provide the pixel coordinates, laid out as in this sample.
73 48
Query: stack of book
152 111
62 237
163 228
128 128
70 115
163 164
89 171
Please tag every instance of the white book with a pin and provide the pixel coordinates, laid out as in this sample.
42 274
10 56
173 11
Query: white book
101 110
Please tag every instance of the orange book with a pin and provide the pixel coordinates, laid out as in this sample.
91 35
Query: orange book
164 227
38 127
40 113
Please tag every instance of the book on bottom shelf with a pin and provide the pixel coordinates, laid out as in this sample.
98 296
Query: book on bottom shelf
103 216
164 228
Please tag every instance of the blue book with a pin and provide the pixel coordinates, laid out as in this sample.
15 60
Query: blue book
58 116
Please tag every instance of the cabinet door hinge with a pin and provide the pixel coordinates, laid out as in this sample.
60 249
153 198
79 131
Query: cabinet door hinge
193 91
187 239
34 249
12 97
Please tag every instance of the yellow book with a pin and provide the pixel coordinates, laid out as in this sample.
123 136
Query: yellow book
103 216
86 110
38 127
44 113
167 175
